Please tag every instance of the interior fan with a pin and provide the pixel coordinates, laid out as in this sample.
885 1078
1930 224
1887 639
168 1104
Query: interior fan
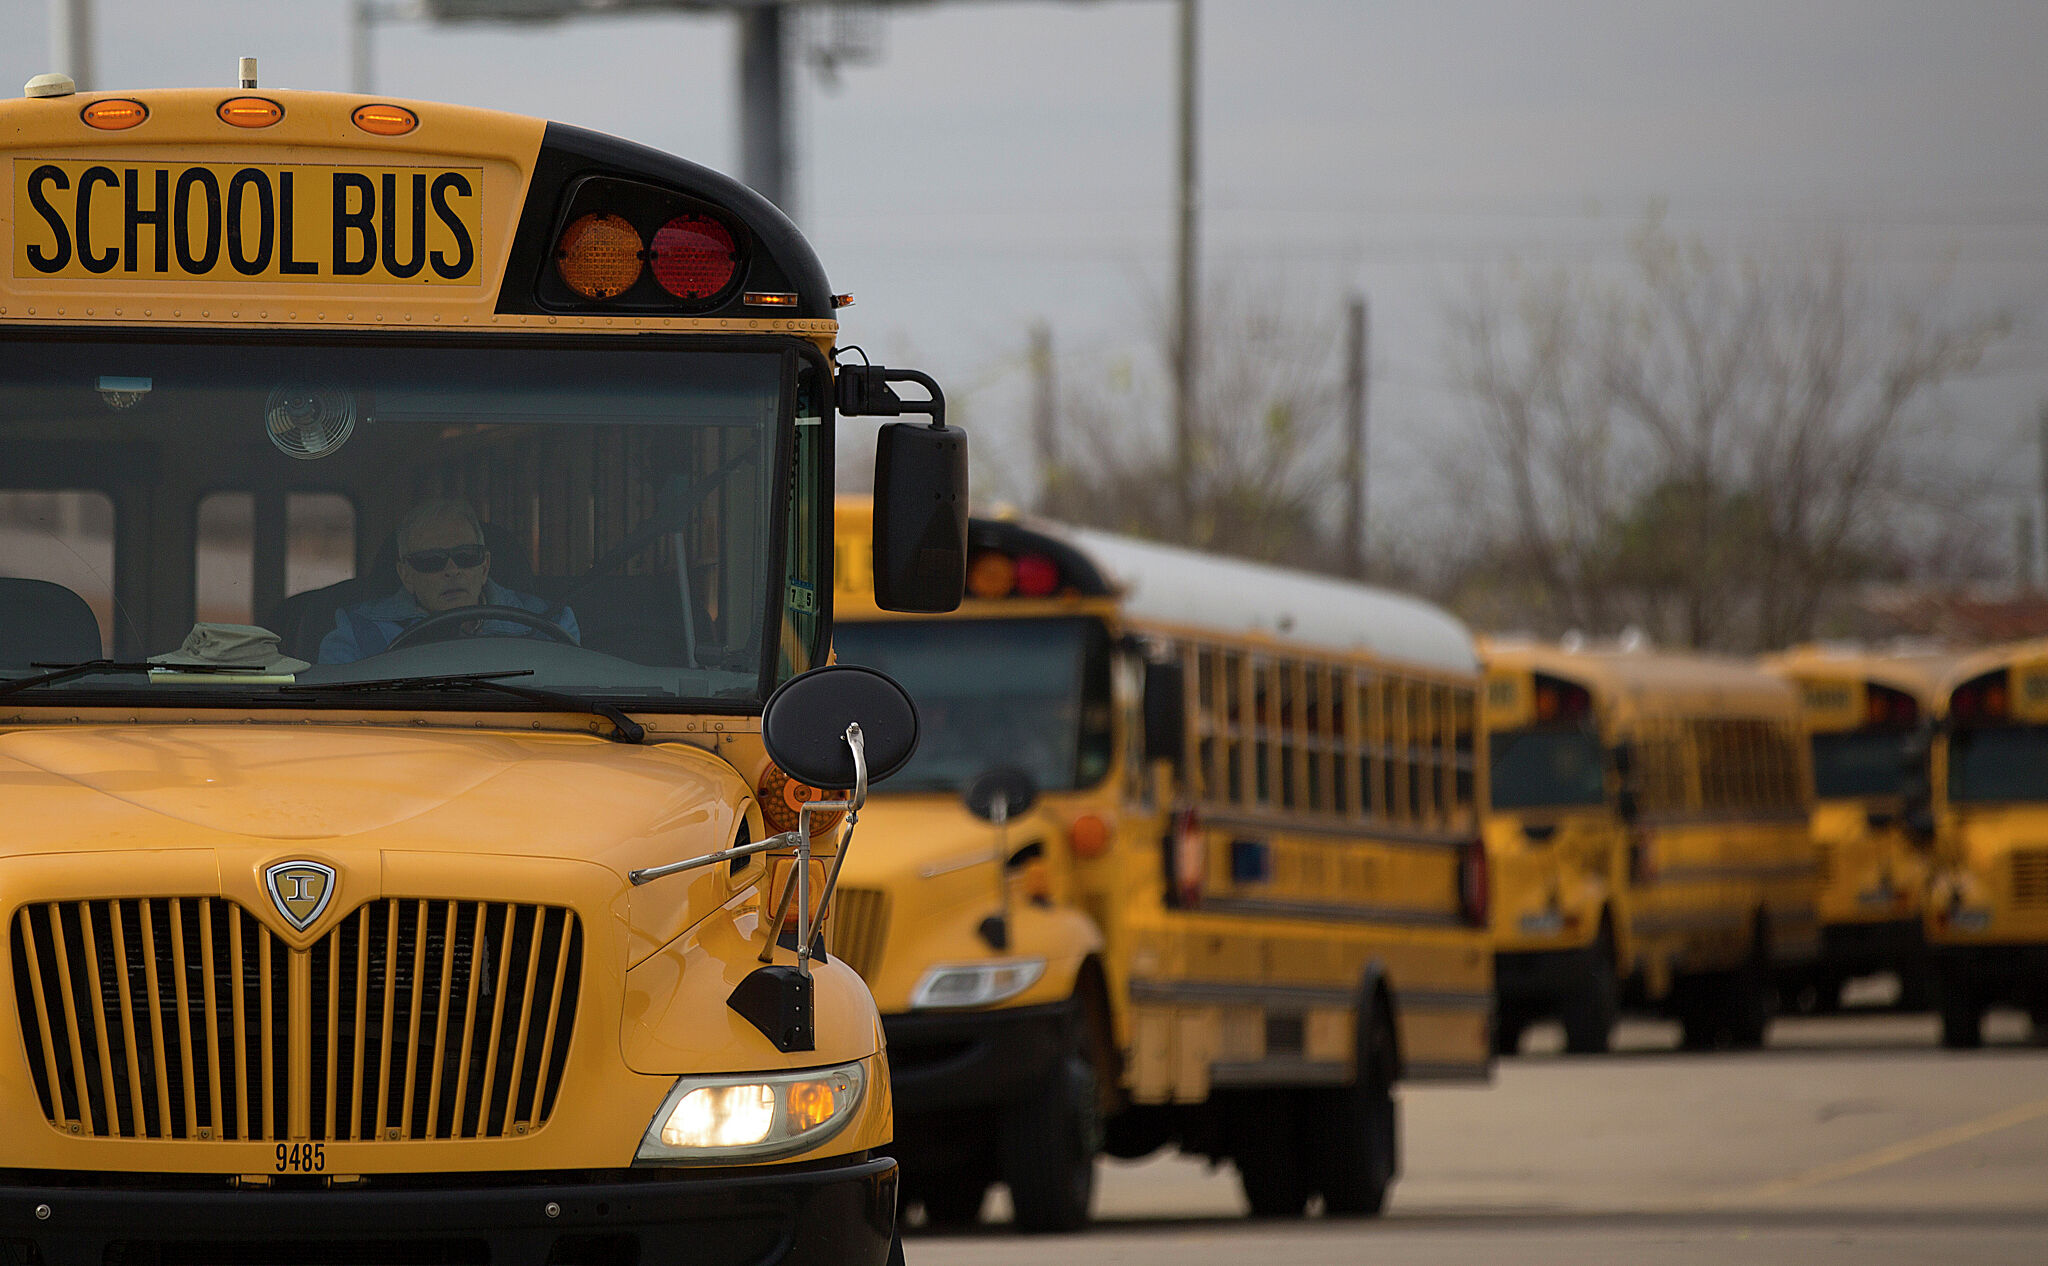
309 422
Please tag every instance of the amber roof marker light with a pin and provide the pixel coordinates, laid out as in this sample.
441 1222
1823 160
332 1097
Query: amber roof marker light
115 115
385 120
250 111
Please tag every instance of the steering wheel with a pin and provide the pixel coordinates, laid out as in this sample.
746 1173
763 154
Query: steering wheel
447 625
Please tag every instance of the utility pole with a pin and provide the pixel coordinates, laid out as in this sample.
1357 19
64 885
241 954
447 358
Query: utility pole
1044 419
71 41
2042 422
764 119
1357 360
1185 340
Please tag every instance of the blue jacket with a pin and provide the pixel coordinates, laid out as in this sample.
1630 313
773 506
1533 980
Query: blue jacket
366 628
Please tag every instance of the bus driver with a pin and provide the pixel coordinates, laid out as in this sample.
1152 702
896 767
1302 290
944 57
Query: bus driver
443 564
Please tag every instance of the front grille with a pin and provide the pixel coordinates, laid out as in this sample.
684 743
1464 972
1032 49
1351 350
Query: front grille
860 920
2030 878
185 1018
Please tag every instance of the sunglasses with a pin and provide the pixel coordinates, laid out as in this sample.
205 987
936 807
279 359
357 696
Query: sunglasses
432 560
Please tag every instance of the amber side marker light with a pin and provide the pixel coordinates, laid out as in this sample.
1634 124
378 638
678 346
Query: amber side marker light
385 120
114 116
250 111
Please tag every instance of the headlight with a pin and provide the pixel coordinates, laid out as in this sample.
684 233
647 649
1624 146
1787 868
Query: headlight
976 984
718 1120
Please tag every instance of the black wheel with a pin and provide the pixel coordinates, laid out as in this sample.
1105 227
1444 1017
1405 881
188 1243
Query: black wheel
1699 1014
1919 989
1266 1144
1507 1032
1353 1135
1746 1007
952 1201
1048 1147
1962 1012
1827 994
1590 1010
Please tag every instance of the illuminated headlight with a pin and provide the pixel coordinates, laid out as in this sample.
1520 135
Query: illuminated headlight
976 984
721 1119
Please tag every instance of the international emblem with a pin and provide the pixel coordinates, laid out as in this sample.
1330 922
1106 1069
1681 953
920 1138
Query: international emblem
301 891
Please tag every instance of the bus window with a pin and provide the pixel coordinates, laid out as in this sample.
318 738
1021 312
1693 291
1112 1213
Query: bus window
2004 763
320 540
1545 768
66 538
224 573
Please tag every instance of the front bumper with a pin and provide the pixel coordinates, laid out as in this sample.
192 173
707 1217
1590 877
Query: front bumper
944 1060
845 1214
1856 949
1537 980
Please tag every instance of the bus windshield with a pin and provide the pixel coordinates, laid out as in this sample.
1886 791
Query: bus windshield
330 511
2008 763
1858 763
1030 693
1547 768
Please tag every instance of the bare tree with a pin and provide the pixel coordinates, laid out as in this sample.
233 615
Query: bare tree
1705 445
1267 422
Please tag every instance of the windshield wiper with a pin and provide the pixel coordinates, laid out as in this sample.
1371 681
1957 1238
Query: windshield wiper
90 667
625 729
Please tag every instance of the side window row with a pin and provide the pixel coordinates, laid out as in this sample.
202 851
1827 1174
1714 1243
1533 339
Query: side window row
1305 736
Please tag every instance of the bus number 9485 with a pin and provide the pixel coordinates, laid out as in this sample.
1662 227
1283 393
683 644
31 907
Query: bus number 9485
301 1158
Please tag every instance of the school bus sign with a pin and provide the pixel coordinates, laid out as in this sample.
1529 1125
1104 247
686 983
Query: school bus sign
80 220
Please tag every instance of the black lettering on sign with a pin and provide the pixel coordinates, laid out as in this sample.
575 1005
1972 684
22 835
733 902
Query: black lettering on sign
392 264
465 256
134 217
360 221
81 217
49 261
266 222
285 263
201 262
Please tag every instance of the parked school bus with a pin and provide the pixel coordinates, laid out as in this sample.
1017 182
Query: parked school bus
411 907
1866 714
1245 899
1987 908
1649 841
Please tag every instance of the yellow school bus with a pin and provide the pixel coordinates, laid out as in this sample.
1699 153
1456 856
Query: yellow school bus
1649 841
1987 908
1866 715
1235 891
414 546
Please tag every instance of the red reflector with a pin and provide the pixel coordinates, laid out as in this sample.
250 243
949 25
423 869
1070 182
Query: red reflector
1037 576
694 257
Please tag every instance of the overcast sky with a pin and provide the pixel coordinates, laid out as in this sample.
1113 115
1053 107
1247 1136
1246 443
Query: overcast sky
1004 161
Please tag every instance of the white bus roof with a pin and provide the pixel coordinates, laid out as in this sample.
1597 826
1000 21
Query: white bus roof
1168 585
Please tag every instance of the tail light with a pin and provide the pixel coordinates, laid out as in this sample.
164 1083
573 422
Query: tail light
782 800
1187 860
599 255
1475 884
694 257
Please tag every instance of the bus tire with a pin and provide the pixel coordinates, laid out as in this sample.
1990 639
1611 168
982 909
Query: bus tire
1353 1135
1694 1000
952 1201
1590 1010
1266 1147
1049 1142
1962 1011
1507 1032
1746 1007
896 1249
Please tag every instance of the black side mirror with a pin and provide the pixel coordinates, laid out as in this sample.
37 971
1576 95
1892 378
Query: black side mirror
804 723
1166 711
920 491
999 794
1626 807
1624 757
